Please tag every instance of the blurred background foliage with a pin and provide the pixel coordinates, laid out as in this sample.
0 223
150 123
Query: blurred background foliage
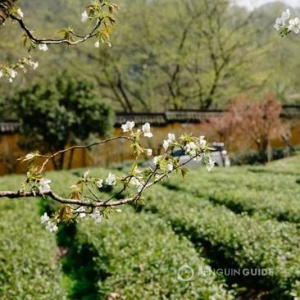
168 54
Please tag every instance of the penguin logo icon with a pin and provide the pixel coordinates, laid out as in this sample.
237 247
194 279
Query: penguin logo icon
185 273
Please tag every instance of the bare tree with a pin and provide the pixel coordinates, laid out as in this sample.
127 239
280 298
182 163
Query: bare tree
256 121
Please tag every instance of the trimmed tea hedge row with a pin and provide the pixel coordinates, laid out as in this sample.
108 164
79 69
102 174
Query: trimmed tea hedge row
239 177
140 257
244 241
276 206
28 265
287 166
275 196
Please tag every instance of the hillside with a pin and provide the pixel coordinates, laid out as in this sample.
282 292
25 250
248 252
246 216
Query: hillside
136 73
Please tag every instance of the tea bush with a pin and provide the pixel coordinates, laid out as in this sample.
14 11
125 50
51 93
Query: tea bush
270 195
29 268
139 257
237 241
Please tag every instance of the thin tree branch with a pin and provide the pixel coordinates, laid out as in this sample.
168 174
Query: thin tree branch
5 9
20 194
58 41
48 158
93 204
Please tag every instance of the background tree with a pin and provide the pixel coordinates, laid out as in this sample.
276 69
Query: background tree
98 14
277 58
221 128
212 48
198 62
251 122
61 112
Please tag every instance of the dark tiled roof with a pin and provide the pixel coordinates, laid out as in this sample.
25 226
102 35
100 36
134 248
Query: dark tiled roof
141 118
290 111
182 116
161 119
8 126
190 115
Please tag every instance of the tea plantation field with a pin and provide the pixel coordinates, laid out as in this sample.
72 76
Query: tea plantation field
232 233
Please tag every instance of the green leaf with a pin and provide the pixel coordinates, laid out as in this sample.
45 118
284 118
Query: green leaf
184 171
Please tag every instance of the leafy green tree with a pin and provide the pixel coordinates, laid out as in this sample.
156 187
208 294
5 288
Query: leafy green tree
278 60
166 54
195 60
58 113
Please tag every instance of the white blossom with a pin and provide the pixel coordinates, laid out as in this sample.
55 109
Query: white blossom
43 47
97 44
20 13
84 17
86 174
128 126
136 182
156 159
99 183
149 152
96 216
51 226
191 149
210 164
44 186
166 144
294 25
12 73
44 218
33 64
111 179
285 15
170 167
280 22
146 130
202 141
1 73
29 156
171 139
81 211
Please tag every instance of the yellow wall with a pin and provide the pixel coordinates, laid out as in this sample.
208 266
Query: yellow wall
119 151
